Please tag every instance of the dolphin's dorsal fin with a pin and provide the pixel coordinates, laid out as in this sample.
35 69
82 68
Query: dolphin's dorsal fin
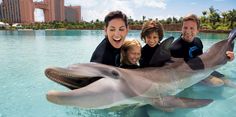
179 102
162 54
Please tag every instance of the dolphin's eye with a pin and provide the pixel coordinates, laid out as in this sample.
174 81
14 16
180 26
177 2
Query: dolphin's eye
115 73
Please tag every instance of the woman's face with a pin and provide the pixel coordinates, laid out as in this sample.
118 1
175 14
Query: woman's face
116 32
152 39
134 54
189 30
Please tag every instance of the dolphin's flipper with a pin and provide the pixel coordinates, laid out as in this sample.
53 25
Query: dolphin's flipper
170 102
229 83
217 74
213 81
162 54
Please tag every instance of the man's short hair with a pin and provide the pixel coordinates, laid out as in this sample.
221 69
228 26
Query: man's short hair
192 17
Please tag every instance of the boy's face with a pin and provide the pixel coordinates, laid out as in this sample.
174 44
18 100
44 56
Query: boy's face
189 30
134 54
152 39
116 32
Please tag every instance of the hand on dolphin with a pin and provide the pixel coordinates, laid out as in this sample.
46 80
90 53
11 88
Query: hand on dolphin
113 86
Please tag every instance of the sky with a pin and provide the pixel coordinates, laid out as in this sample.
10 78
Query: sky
136 9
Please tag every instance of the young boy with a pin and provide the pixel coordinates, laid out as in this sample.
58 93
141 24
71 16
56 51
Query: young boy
130 54
116 29
189 46
152 34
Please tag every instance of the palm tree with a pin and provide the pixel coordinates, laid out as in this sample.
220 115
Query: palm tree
232 17
169 20
174 20
144 17
225 15
204 16
213 16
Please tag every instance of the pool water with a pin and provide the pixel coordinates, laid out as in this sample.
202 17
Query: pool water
24 55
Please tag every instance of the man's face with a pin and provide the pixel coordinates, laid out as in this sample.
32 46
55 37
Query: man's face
116 32
189 30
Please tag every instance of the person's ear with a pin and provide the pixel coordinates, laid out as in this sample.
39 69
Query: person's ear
105 30
127 29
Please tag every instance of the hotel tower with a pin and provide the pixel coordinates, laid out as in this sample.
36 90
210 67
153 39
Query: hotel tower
22 11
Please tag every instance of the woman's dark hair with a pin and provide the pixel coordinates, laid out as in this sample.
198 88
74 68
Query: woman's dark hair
114 15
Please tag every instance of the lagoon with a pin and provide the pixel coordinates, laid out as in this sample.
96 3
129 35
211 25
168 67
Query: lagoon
24 55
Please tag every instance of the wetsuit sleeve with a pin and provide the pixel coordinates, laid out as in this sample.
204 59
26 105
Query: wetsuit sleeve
200 44
176 49
96 57
98 54
199 50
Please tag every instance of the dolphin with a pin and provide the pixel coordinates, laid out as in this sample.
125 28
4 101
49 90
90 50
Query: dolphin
102 86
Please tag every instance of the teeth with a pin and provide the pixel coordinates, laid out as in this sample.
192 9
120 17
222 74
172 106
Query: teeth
117 38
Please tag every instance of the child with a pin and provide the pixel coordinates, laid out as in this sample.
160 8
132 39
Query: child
116 29
189 46
130 54
151 34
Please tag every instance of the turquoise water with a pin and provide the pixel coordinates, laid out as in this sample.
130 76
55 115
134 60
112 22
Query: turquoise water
24 55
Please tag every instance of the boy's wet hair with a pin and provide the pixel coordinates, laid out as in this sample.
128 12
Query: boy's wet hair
116 15
192 17
150 27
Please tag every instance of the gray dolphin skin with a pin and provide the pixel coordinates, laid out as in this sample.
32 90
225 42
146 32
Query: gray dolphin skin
101 86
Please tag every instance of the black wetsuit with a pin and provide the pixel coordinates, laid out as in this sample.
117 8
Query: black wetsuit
147 55
186 50
126 66
105 53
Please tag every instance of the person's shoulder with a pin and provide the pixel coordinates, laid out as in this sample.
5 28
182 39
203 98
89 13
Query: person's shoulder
198 41
178 42
145 46
97 55
102 46
103 43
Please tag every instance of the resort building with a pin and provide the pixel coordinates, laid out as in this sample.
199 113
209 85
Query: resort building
22 11
73 13
1 14
10 11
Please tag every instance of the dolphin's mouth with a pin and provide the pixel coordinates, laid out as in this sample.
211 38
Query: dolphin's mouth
68 79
